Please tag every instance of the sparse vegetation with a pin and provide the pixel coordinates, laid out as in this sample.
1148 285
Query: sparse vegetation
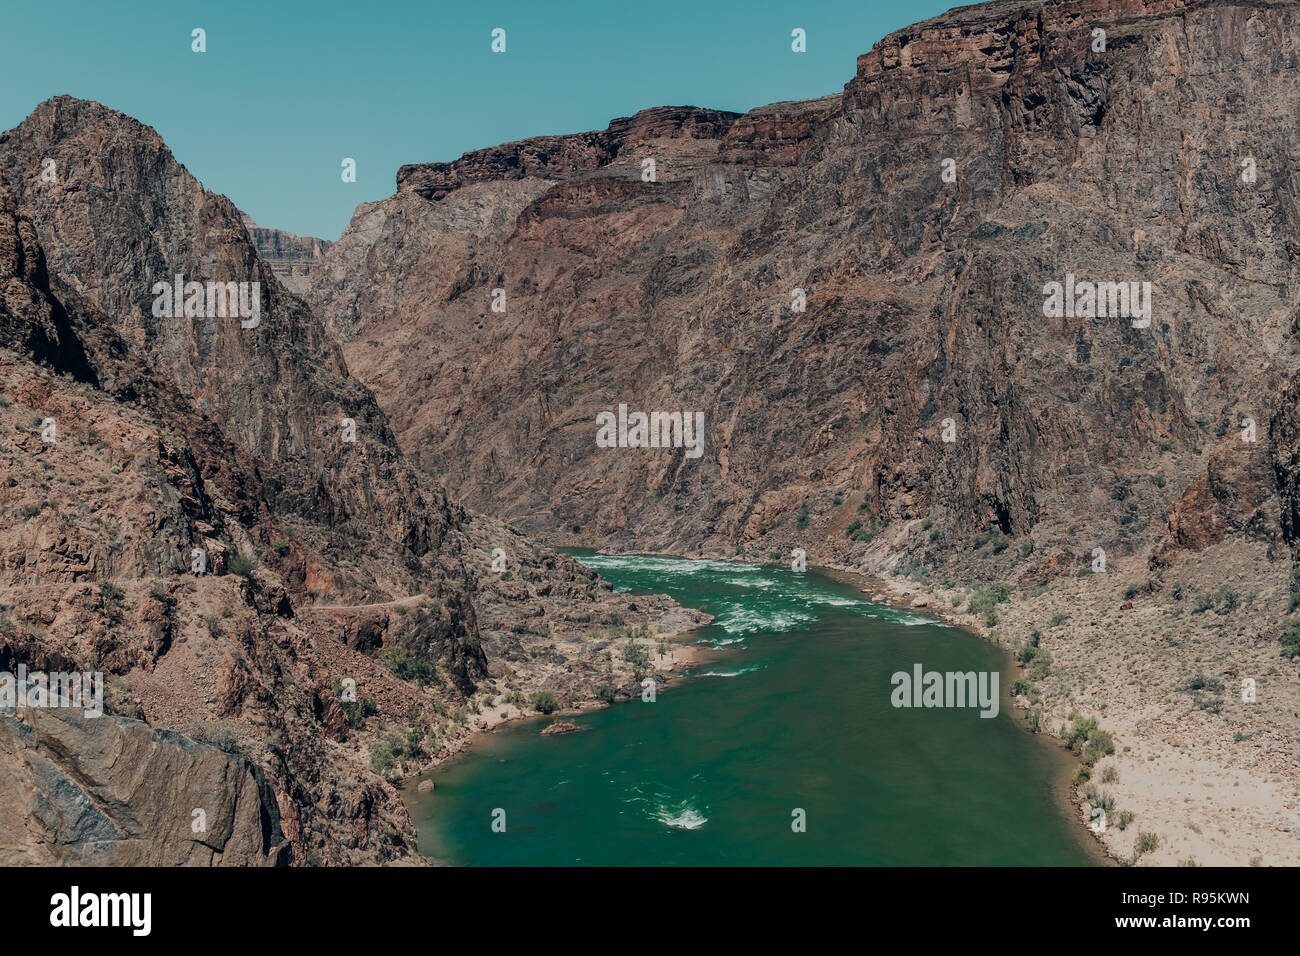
1034 718
1146 843
1224 598
240 564
397 748
544 702
638 655
1291 641
412 666
859 532
1089 740
983 602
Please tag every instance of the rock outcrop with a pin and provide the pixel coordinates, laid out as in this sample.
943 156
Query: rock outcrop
971 161
84 791
211 511
292 257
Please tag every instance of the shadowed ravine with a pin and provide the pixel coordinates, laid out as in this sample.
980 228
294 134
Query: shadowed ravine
793 712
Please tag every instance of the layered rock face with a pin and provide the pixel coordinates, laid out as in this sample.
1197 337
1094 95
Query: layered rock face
214 514
925 303
87 782
292 257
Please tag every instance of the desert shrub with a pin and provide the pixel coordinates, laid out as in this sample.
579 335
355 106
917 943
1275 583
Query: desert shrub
1291 642
397 748
544 702
1034 718
1200 682
638 655
412 666
1040 665
983 602
239 564
1099 744
1146 842
857 531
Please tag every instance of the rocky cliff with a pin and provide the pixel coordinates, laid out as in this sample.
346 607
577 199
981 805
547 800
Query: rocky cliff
291 257
1017 306
856 294
924 293
210 511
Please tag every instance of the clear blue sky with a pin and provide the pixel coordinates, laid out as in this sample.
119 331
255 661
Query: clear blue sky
287 88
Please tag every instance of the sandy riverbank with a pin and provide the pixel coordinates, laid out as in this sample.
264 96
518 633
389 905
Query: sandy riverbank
681 654
1217 782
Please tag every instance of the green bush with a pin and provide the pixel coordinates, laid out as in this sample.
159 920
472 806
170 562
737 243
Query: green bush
638 655
397 748
544 702
1034 718
605 693
1225 596
238 564
412 666
982 602
1089 740
860 532
1200 682
1041 664
1291 642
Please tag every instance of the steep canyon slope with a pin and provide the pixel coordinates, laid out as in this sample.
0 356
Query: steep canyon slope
924 297
135 444
927 412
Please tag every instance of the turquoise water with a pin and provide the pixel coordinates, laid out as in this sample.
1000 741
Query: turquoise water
792 713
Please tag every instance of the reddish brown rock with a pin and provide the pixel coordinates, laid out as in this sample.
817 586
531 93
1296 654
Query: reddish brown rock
561 727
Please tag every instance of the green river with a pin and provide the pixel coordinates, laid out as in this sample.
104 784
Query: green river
792 713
